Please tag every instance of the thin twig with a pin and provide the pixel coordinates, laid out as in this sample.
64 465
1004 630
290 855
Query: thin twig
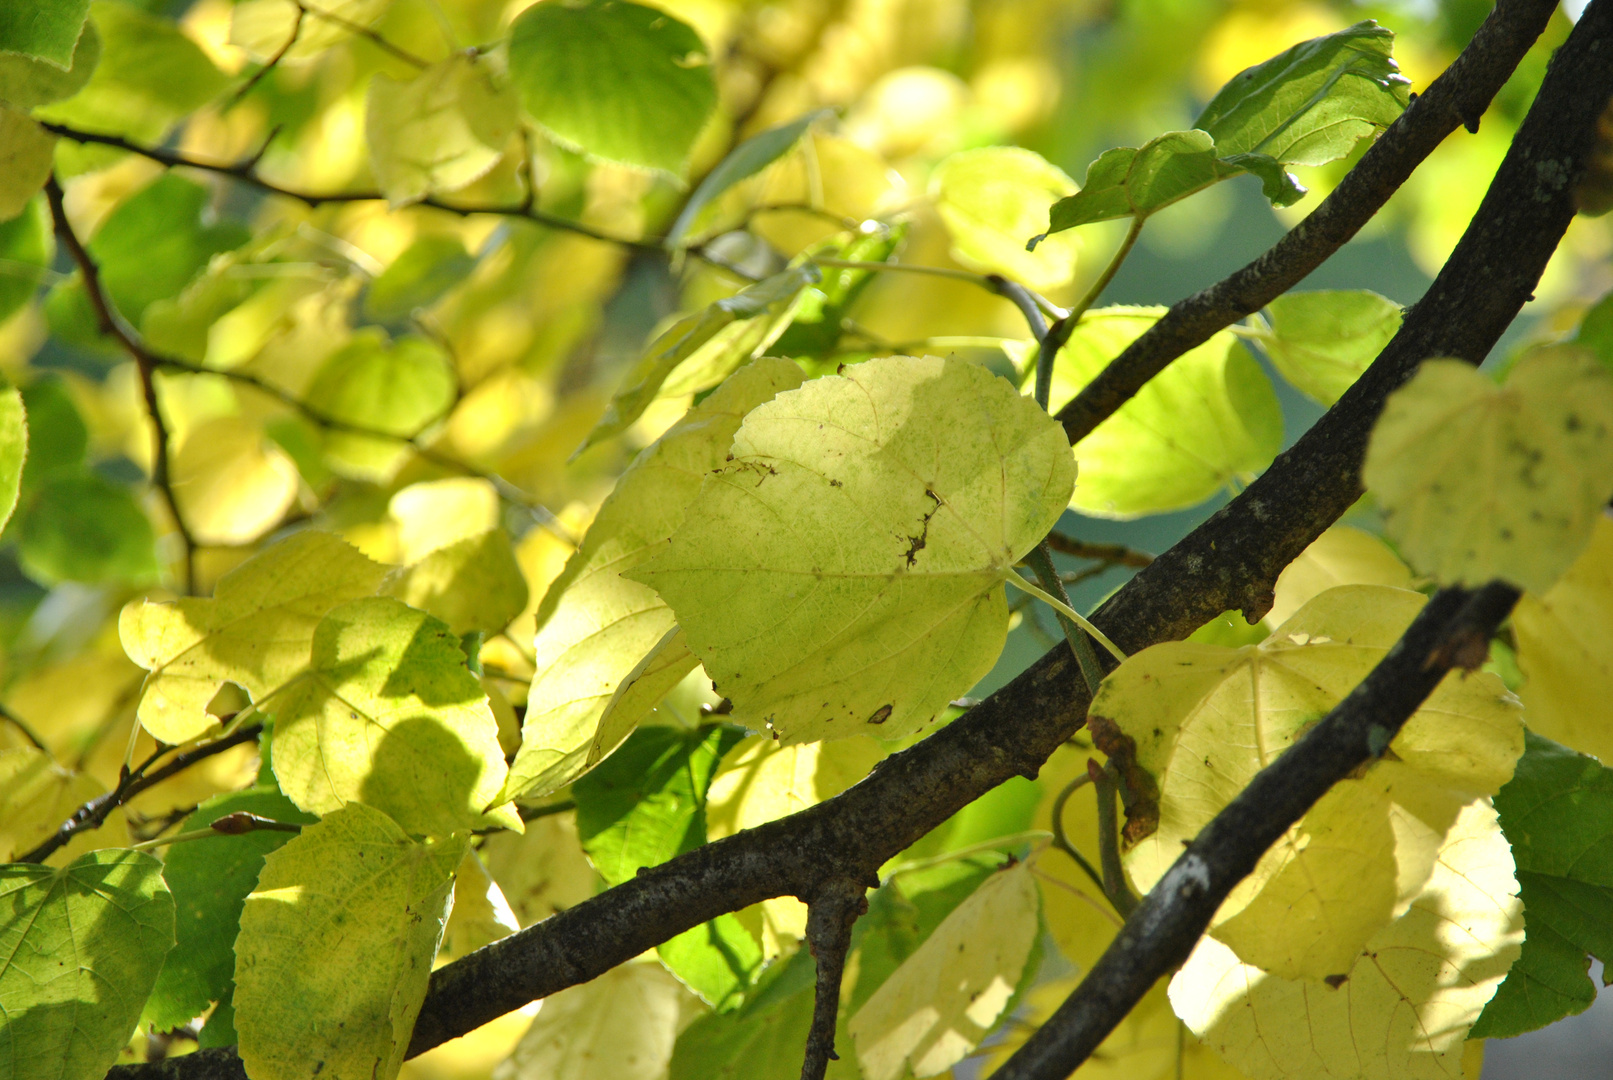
1113 554
27 732
131 783
1114 875
359 29
113 325
272 63
831 915
242 821
1061 838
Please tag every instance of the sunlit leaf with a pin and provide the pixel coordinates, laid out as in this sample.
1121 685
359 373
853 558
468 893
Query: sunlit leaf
1565 650
1204 719
436 514
479 915
915 486
210 880
991 200
13 449
1418 985
621 1026
543 871
472 584
1343 555
1141 180
943 1000
77 526
760 781
1323 341
438 131
819 320
1543 446
640 691
595 625
394 387
745 160
110 912
615 80
25 160
270 28
388 715
37 795
28 82
256 632
335 948
1207 420
232 483
47 29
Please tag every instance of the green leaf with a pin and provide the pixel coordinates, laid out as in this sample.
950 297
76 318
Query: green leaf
1211 418
1596 330
427 268
256 632
77 526
388 715
157 240
26 248
57 435
80 948
1140 180
149 76
1558 814
336 945
26 151
398 387
27 82
818 323
944 998
645 804
913 486
1323 341
595 626
743 161
271 28
761 1039
1312 103
13 449
620 1026
1550 980
48 29
991 199
718 960
439 131
701 350
472 584
210 880
1546 441
615 80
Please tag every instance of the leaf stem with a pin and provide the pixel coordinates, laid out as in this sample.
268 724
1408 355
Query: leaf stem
1062 606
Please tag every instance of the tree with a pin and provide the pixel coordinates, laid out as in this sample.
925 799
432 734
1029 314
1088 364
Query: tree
345 713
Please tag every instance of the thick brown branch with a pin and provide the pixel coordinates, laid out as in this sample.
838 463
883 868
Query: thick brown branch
1459 96
1161 932
113 325
834 911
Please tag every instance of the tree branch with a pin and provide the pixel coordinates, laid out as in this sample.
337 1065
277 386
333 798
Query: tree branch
1112 554
832 914
1458 96
113 325
1235 555
1452 631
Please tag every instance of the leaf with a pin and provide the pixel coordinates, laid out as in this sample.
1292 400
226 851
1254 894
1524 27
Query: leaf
1141 180
1343 555
472 584
389 716
620 1026
743 161
1199 721
255 632
79 527
57 435
718 960
910 488
943 1000
398 388
1558 813
1550 980
232 483
640 691
1323 341
1545 441
760 781
1565 650
79 949
819 320
265 28
701 350
615 80
1210 418
26 248
758 1041
991 199
37 795
542 871
336 945
25 160
1314 102
479 914
594 625
210 880
13 449
47 29
416 279
28 82
904 913
1418 985
439 131
150 74
436 514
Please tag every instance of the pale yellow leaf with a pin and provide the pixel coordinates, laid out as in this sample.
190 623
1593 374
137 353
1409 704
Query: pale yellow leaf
544 871
621 1026
472 584
232 484
1342 555
479 915
438 131
37 796
637 695
437 513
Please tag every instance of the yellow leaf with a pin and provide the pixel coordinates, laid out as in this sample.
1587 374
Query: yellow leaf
255 632
1340 556
621 1026
26 151
1205 719
472 584
760 781
1404 1007
996 198
479 915
1565 650
544 871
640 691
438 131
37 796
1479 481
595 625
935 1008
233 484
265 28
437 513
